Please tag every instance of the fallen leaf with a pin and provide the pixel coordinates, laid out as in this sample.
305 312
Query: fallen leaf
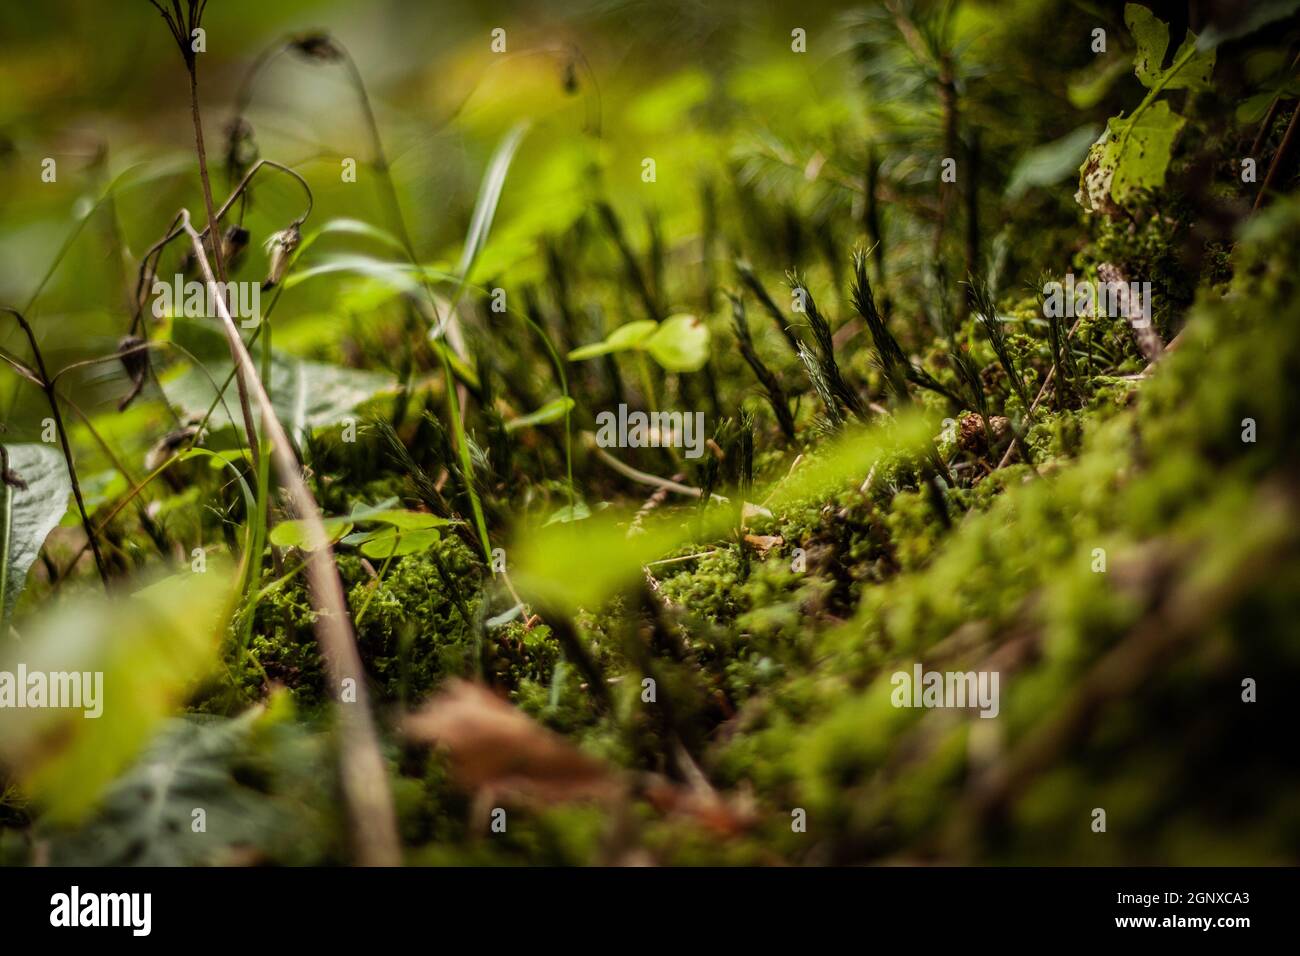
494 745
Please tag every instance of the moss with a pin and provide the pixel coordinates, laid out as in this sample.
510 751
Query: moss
1172 469
411 636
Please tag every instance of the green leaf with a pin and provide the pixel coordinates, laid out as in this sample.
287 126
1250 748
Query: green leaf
147 815
304 395
399 277
1132 155
489 195
28 516
848 459
622 339
403 519
1144 146
293 534
1087 89
1151 35
578 511
354 227
581 564
552 411
1241 22
573 565
394 542
680 343
1190 69
147 650
1049 164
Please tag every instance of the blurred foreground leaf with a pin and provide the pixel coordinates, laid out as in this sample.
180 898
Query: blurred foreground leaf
143 652
192 799
580 564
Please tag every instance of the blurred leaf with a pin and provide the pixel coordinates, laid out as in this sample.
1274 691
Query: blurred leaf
400 518
304 395
1088 88
148 650
1249 18
1049 164
680 344
400 277
293 534
147 815
848 459
622 339
28 515
581 564
354 227
578 511
494 745
395 542
489 195
552 411
572 565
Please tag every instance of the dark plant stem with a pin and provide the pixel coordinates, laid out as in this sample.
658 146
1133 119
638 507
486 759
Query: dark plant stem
1282 161
948 106
635 276
973 158
51 396
214 227
874 230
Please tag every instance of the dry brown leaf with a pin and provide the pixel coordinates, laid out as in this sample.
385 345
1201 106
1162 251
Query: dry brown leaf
765 542
496 749
493 745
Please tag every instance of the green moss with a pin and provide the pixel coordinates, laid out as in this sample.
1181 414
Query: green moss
411 636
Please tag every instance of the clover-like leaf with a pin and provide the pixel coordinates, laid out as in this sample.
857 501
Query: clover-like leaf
394 542
552 411
680 343
293 534
622 339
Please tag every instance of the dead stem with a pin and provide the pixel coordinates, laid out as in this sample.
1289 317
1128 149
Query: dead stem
364 779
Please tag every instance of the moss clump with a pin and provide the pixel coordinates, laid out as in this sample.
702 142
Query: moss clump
411 636
1168 490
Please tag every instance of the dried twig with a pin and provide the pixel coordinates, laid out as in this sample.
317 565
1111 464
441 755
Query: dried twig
364 778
